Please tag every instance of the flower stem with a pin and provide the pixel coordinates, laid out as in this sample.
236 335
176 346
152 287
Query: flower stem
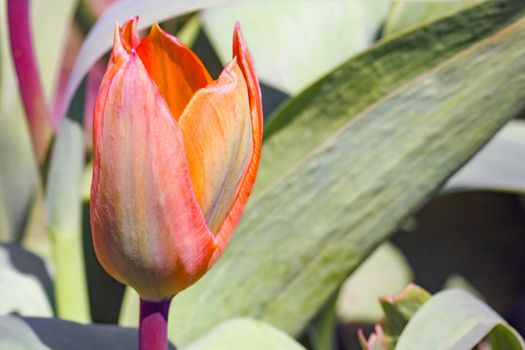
153 328
31 90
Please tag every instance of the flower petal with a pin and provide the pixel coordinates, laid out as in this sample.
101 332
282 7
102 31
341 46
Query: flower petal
129 34
245 62
176 70
217 127
148 229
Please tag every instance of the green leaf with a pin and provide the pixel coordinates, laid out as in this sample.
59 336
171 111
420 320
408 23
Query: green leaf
241 334
64 221
17 335
398 310
384 272
20 179
455 320
333 32
53 333
302 236
403 14
498 166
22 279
330 103
321 331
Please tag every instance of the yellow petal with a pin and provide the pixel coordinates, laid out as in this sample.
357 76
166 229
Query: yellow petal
217 130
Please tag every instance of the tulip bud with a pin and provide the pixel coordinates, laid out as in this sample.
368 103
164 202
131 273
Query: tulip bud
175 159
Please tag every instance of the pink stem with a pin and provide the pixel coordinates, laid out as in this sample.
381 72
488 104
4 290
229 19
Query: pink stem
30 86
153 328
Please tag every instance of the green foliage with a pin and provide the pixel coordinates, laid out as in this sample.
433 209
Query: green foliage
241 334
63 209
344 163
404 14
325 206
455 320
288 63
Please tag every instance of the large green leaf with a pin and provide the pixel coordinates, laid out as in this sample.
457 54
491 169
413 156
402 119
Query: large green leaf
303 235
455 320
241 334
295 43
330 103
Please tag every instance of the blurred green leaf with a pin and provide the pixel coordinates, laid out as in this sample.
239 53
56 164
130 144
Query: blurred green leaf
19 178
321 331
406 14
21 290
498 166
295 43
455 320
400 308
17 335
241 334
384 272
100 38
64 221
302 236
53 333
51 22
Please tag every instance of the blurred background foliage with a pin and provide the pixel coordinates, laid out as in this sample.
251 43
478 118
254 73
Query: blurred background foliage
368 182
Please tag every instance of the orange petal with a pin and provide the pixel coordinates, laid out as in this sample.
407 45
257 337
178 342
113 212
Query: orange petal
245 62
217 131
176 70
148 229
129 34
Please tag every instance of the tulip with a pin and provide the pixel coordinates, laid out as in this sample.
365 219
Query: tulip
175 159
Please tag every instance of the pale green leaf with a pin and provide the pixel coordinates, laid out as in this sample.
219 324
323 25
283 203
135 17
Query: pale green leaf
63 199
64 221
384 272
302 235
34 333
455 320
20 292
407 14
294 43
51 23
242 334
17 335
498 166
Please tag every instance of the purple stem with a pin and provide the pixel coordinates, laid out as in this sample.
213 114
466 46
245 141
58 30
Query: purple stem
153 328
30 86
